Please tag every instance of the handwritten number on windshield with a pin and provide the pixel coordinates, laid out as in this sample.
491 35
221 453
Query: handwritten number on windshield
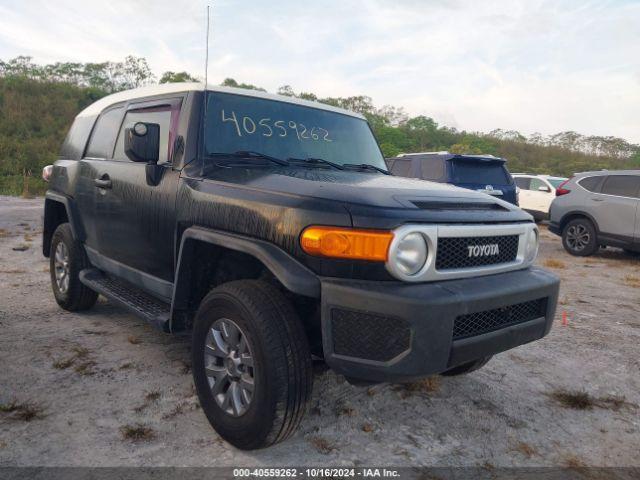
249 126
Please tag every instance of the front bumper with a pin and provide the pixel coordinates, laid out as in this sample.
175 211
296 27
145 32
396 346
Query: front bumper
393 331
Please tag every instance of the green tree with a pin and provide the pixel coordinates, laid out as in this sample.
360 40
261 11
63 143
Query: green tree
177 77
230 82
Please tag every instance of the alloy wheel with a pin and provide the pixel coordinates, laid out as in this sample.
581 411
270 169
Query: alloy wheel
229 367
61 267
578 237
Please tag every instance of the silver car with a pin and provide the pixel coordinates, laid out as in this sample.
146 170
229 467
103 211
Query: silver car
595 209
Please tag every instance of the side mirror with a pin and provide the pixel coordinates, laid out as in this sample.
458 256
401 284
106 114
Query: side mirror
142 142
544 188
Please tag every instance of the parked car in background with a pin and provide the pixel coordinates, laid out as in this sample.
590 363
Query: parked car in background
537 192
596 209
484 173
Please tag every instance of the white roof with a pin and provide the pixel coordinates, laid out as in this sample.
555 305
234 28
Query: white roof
153 90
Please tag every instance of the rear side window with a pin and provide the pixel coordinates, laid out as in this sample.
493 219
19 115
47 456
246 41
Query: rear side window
432 169
523 182
104 134
76 139
402 168
591 184
480 172
622 185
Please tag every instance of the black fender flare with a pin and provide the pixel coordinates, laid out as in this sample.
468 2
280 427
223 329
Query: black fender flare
294 276
73 216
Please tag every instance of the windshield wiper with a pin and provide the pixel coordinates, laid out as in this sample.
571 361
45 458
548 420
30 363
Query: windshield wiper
366 166
316 161
247 154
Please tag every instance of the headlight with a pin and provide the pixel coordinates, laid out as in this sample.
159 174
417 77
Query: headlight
410 254
532 244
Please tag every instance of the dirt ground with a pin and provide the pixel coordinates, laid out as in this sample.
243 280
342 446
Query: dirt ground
74 386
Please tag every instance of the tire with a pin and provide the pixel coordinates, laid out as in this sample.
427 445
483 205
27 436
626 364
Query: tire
280 369
467 367
70 293
579 237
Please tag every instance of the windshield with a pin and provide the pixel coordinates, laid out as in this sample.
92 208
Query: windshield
555 182
480 172
285 130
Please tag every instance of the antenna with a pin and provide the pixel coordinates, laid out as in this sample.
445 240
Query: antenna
206 55
204 94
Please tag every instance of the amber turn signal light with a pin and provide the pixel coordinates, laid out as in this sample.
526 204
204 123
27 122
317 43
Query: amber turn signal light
351 243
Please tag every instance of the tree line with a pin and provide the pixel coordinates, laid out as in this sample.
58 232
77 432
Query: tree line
38 104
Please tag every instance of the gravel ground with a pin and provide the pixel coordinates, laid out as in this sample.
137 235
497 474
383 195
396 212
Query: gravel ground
80 380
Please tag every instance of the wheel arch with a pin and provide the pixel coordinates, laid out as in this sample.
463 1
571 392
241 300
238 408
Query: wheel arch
247 257
578 214
59 209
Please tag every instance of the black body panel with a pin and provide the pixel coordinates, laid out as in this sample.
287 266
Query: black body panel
140 238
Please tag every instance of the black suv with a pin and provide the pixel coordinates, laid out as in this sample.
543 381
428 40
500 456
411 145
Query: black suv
269 228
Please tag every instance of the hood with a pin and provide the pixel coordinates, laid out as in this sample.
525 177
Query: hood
351 187
360 192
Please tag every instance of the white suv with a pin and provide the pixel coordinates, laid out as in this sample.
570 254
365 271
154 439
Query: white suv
536 193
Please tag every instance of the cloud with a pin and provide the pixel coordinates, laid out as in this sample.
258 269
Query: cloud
531 65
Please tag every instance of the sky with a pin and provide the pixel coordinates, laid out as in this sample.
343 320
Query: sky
527 65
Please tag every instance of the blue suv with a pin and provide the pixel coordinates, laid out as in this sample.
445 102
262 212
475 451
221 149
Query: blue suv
484 173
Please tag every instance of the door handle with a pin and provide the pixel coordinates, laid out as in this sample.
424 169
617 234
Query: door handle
102 182
598 199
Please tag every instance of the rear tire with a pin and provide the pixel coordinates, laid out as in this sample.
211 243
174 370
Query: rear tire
579 237
67 259
466 367
275 381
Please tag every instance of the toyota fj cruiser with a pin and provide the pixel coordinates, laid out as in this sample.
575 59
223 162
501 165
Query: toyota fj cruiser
270 228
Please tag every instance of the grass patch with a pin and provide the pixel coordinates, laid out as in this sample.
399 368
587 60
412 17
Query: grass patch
26 411
177 410
525 449
86 368
79 353
14 270
426 385
581 400
577 400
322 445
367 427
149 398
133 340
573 462
137 432
64 364
632 281
152 396
126 366
553 263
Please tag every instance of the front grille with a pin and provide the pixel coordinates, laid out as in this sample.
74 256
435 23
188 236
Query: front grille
490 320
456 252
368 336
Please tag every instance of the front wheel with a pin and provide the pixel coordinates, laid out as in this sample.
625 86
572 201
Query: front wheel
251 364
579 237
